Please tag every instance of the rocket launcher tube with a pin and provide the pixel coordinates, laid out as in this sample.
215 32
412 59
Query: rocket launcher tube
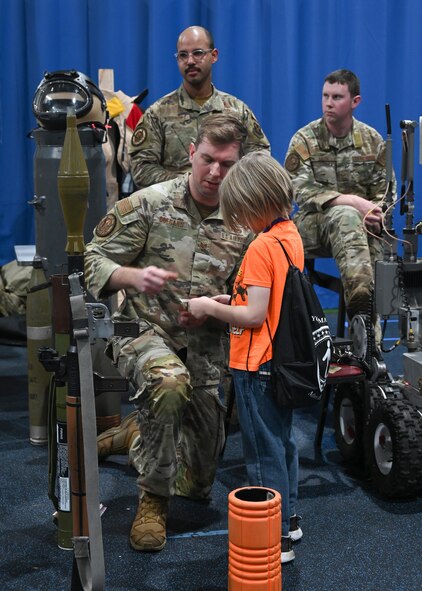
73 186
59 474
88 550
88 565
39 334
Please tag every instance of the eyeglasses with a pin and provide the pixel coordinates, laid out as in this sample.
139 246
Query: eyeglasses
197 54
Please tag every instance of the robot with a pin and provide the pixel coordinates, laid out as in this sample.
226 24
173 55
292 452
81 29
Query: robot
378 421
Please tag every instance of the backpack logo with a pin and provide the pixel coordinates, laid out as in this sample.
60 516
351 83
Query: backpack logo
324 365
302 344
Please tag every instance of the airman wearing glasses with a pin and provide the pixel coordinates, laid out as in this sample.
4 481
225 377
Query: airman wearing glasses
160 143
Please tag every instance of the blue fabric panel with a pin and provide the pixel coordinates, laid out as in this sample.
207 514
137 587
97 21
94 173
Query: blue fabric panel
274 55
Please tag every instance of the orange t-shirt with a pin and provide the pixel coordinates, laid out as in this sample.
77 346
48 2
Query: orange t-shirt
264 265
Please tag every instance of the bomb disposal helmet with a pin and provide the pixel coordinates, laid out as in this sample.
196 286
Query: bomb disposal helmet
68 88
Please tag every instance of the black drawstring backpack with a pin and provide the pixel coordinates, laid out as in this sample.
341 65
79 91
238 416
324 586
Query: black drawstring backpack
302 344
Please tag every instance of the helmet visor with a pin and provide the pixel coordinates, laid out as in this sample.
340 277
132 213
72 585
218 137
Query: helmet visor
54 98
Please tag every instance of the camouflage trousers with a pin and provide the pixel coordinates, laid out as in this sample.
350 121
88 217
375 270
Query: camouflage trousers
181 427
339 232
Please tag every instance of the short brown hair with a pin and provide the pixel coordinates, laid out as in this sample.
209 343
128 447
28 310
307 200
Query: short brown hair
257 188
220 129
345 77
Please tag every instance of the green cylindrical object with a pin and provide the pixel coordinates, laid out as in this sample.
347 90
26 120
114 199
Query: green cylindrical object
60 487
39 334
73 186
50 227
64 511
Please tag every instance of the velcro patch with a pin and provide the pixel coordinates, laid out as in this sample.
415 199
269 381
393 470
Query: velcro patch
357 139
292 162
106 226
172 222
302 150
139 136
124 206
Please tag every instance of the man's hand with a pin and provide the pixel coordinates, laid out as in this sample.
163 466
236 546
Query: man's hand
187 320
150 280
197 310
370 213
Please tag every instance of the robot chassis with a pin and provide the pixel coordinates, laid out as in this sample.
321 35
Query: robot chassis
378 421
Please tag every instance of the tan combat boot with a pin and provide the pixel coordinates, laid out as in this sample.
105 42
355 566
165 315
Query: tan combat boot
117 440
148 533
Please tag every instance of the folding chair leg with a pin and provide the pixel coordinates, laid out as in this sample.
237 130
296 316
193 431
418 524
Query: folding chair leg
341 315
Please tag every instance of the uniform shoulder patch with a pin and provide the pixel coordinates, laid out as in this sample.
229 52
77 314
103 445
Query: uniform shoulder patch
106 225
124 206
357 139
302 150
139 136
292 162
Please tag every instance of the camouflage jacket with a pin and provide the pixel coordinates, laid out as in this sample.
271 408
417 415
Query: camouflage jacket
161 226
159 149
323 167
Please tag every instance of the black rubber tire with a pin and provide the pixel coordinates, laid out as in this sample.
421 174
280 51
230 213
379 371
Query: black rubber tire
394 448
349 422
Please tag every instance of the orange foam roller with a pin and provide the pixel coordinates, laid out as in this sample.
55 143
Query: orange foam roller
254 539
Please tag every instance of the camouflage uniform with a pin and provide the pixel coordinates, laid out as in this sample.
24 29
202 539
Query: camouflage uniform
14 281
160 143
176 371
323 167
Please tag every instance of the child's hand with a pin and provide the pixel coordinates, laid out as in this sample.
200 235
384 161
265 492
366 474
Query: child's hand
199 307
187 320
222 299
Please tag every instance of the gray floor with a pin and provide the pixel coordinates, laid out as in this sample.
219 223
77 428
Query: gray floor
352 538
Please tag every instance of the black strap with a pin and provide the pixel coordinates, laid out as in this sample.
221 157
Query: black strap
269 332
249 348
289 260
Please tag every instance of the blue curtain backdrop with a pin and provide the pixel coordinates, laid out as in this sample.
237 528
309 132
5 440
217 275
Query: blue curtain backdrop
274 55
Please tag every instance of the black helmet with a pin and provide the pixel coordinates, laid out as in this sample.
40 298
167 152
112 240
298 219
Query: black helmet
68 88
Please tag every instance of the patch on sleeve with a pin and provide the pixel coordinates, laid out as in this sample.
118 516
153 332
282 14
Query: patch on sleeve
302 150
124 206
139 136
292 162
106 225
